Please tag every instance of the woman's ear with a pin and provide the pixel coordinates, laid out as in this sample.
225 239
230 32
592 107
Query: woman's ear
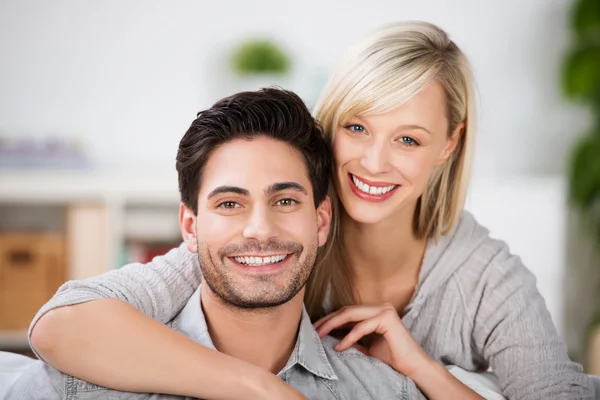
324 216
187 224
451 144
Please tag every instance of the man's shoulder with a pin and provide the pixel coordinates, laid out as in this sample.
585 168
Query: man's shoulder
42 381
375 376
39 381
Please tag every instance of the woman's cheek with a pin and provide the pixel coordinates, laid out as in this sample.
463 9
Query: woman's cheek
346 150
416 167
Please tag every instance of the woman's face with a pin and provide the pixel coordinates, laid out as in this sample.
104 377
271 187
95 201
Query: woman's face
384 161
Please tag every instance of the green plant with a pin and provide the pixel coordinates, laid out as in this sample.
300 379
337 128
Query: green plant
581 82
260 57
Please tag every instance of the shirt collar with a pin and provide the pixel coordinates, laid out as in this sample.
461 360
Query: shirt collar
192 323
308 352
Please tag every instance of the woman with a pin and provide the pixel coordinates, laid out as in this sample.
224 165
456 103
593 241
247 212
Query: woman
400 117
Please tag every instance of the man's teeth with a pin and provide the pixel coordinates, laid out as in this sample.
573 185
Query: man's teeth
363 187
258 261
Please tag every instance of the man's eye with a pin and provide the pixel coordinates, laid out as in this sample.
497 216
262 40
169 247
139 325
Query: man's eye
355 128
286 202
228 204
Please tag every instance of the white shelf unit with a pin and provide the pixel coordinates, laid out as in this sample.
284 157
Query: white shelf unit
105 206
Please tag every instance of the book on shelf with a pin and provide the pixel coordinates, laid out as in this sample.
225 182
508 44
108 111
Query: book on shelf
144 252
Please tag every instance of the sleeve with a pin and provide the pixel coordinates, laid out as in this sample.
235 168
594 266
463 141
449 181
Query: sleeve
513 331
40 381
159 289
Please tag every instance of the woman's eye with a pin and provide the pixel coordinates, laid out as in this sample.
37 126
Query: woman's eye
407 140
356 128
228 204
286 202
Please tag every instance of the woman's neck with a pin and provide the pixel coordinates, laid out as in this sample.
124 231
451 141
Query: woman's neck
385 258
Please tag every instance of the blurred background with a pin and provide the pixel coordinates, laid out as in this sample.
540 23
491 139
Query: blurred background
95 95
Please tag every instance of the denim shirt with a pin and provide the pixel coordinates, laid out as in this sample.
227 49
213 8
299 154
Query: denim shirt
314 368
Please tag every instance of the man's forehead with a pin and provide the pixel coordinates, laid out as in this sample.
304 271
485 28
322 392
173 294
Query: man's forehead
259 160
254 164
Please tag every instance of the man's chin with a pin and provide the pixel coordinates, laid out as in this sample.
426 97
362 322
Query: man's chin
256 302
263 295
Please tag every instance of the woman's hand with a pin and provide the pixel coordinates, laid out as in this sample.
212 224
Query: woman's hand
392 344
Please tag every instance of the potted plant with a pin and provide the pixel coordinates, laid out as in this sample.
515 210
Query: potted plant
260 63
581 82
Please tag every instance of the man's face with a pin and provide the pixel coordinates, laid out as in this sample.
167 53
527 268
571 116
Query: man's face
257 230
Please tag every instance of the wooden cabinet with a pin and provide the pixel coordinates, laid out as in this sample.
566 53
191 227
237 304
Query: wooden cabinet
32 267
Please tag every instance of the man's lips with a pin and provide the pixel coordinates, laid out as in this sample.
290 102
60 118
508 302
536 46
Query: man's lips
256 260
261 263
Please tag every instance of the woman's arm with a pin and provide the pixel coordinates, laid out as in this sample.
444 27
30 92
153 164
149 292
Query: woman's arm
110 343
159 289
514 332
108 330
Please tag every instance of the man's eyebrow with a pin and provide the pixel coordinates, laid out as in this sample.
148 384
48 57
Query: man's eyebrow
280 186
228 189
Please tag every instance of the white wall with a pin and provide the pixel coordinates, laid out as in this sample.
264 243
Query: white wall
128 76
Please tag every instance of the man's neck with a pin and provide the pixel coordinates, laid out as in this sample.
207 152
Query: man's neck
264 337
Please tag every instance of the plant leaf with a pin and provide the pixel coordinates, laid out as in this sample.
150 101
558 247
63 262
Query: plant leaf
586 20
581 73
585 172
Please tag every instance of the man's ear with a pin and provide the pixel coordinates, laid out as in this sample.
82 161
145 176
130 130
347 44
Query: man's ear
187 224
324 216
451 143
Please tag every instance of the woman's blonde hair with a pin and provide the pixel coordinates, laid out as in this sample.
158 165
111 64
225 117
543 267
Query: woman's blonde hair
377 75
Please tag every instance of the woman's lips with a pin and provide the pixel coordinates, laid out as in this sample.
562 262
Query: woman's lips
371 197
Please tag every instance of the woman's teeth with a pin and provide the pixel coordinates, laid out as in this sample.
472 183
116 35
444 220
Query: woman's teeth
259 261
363 187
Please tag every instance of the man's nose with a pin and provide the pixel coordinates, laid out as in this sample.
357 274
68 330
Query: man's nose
260 225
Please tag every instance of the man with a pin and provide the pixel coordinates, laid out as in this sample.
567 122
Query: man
253 176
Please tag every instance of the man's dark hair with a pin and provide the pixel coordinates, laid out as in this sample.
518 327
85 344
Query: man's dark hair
272 113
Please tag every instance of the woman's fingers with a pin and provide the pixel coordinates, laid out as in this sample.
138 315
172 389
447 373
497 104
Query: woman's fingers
361 329
322 320
345 316
382 323
361 348
326 318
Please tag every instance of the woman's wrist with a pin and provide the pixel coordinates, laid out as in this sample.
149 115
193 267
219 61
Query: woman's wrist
237 379
424 368
265 385
250 382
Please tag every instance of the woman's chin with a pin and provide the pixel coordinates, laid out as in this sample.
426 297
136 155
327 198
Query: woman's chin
365 213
